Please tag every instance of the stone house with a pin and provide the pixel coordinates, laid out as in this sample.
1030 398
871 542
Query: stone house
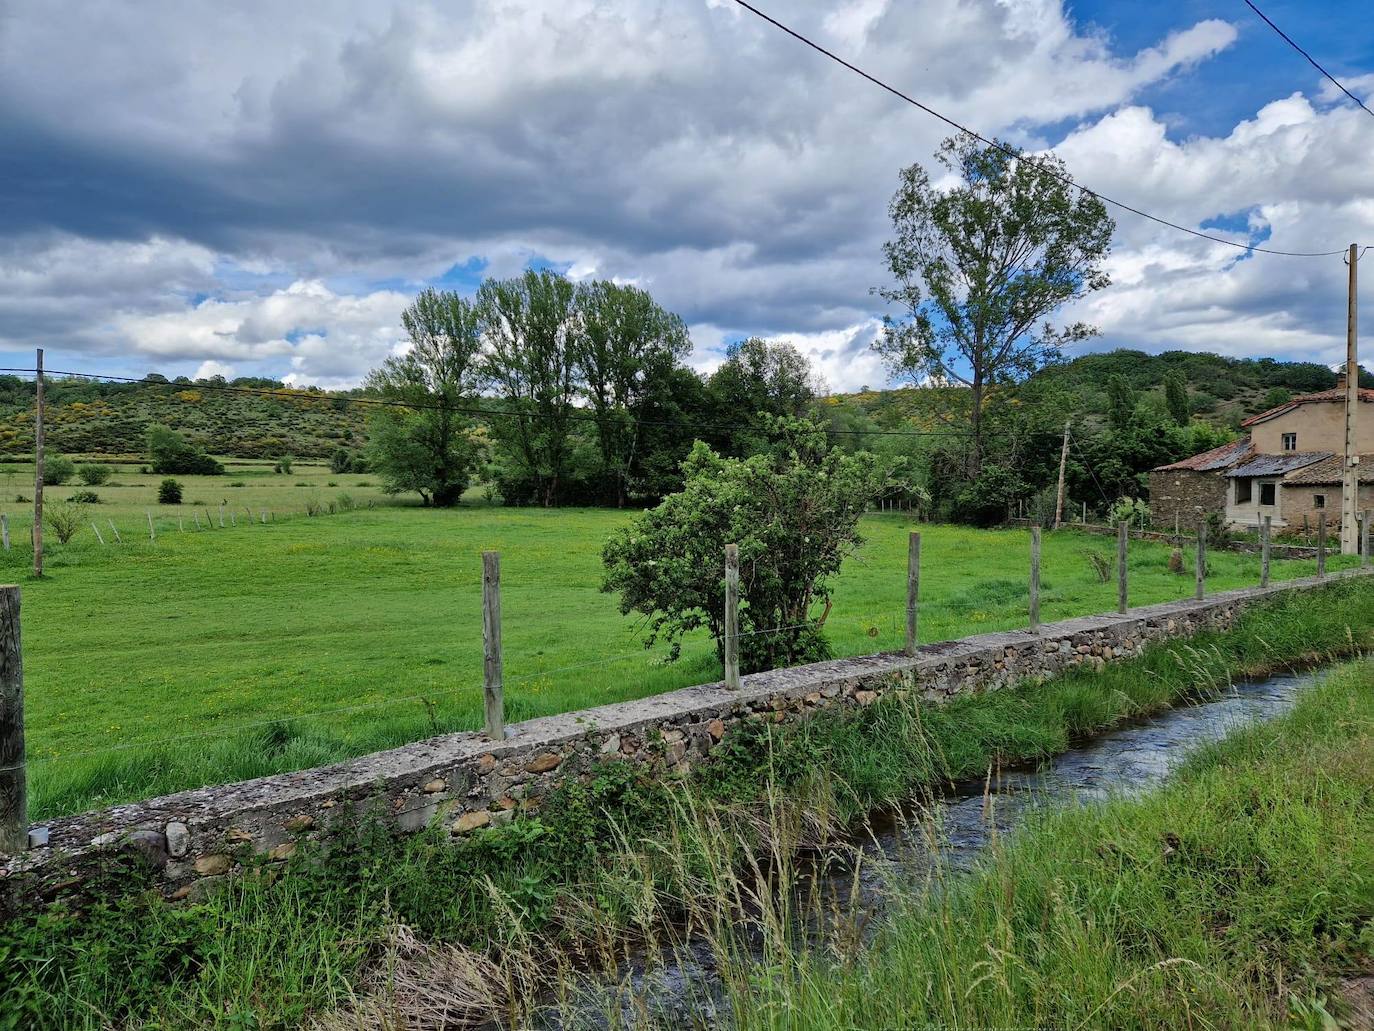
1288 468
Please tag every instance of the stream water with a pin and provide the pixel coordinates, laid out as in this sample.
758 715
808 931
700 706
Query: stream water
680 988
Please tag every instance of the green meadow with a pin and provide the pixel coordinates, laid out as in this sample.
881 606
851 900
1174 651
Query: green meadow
209 655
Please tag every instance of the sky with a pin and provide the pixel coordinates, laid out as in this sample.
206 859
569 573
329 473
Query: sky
259 189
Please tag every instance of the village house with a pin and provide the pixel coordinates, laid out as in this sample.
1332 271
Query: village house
1287 467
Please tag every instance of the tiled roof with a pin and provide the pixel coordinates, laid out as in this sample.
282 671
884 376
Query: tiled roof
1328 470
1277 465
1217 458
1335 394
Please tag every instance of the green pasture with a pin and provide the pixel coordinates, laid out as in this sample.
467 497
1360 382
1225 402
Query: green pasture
212 655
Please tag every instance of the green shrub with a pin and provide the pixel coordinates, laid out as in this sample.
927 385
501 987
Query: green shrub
58 469
169 492
64 518
93 474
170 452
85 497
283 465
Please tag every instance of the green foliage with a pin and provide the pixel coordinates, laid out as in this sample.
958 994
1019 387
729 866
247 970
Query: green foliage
64 518
169 492
1121 402
1176 396
759 380
85 497
1130 510
1277 396
58 469
793 512
283 465
170 452
343 461
93 474
989 496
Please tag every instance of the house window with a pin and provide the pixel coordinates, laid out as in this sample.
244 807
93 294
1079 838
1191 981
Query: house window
1290 442
1318 500
1243 492
1266 493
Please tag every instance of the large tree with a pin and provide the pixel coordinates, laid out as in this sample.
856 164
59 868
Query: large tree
980 267
534 337
423 444
628 349
759 380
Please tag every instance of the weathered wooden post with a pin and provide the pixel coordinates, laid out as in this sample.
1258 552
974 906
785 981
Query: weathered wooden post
913 588
1035 580
5 529
221 517
1266 532
732 616
1368 539
14 796
152 534
38 470
1201 557
1123 532
97 534
1321 543
115 530
492 698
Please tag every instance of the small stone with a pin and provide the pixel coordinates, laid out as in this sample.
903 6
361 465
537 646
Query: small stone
779 716
237 835
814 698
611 745
38 837
830 691
284 851
502 818
471 821
505 804
1084 649
676 751
178 839
435 786
328 805
486 764
180 893
298 824
213 865
865 697
716 728
673 735
544 763
105 840
152 844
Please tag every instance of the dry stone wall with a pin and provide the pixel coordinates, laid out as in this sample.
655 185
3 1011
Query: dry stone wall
197 839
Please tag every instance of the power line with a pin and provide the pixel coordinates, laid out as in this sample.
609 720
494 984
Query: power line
1013 153
1310 59
574 416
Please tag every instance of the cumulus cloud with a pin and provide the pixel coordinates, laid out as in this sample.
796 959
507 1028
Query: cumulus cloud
265 186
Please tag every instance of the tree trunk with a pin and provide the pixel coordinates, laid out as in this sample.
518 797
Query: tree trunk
976 423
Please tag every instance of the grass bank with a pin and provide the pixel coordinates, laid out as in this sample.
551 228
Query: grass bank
218 655
1239 895
617 859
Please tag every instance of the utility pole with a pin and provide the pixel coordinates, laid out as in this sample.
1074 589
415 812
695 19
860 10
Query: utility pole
38 467
1063 461
1350 480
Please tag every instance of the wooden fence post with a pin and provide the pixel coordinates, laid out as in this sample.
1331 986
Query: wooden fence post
1035 580
221 517
732 616
1201 557
115 530
38 470
1266 531
1123 530
97 534
1321 543
1368 538
913 589
493 700
152 534
5 529
14 799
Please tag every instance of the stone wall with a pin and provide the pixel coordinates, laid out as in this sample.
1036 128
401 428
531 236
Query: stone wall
1185 494
196 839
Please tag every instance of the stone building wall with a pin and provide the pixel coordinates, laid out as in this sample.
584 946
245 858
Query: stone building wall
1185 493
1300 508
196 839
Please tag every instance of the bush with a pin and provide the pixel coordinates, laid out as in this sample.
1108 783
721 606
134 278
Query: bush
85 497
341 461
64 518
58 469
283 465
93 474
169 492
170 452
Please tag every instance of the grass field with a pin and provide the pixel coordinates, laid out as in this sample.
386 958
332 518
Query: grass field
155 666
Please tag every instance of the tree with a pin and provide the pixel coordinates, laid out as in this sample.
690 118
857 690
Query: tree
423 444
758 381
997 255
58 469
93 474
627 350
170 452
169 492
1120 402
1176 397
794 513
533 335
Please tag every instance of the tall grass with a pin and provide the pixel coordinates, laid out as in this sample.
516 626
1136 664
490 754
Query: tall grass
617 862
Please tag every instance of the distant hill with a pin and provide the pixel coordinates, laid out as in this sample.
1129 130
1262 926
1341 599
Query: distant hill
87 417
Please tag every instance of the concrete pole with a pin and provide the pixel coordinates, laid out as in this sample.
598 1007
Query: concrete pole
1350 481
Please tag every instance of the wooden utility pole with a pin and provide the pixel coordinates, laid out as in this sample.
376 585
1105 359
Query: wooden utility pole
1123 530
913 589
1063 461
1321 543
38 467
732 616
493 702
1266 546
1200 572
1035 580
14 799
1350 481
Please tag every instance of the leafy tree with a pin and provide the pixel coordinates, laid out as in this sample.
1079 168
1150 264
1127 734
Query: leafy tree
170 452
58 469
794 513
759 380
1276 396
423 444
997 255
1176 397
65 518
534 340
169 492
1121 402
627 351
